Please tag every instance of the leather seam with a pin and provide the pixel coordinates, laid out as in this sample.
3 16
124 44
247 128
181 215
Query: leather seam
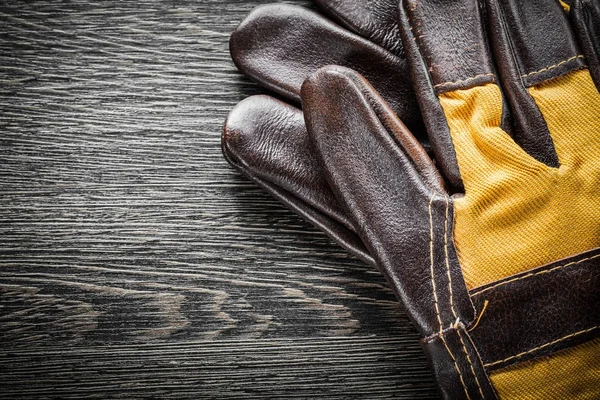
456 367
439 334
534 274
462 80
456 326
431 263
447 261
552 66
420 50
541 347
470 363
437 309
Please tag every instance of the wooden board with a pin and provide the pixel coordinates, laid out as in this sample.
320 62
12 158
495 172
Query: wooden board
134 262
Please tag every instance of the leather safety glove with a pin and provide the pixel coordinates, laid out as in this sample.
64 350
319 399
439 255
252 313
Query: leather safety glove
502 280
279 46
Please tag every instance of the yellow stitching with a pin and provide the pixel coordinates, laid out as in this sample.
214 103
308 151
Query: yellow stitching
437 309
462 81
470 362
456 367
474 293
436 299
552 66
485 304
565 6
451 298
541 347
436 335
447 261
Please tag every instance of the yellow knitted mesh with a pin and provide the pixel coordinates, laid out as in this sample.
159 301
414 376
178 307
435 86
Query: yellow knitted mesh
569 374
517 213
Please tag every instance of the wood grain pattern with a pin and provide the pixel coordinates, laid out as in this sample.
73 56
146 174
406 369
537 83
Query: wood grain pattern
134 262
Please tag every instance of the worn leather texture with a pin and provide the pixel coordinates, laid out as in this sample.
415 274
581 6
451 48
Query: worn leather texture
393 209
376 20
266 139
400 193
538 27
585 16
530 129
538 312
430 106
440 27
280 45
453 351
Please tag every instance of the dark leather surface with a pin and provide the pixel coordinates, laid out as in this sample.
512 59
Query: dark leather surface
538 312
283 180
376 20
280 45
421 73
266 139
529 129
451 40
402 213
457 366
397 211
263 147
542 40
532 43
585 15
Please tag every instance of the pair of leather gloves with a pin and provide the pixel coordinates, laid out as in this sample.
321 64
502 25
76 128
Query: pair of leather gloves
454 144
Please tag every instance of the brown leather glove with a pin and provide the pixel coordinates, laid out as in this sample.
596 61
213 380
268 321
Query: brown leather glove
501 281
281 45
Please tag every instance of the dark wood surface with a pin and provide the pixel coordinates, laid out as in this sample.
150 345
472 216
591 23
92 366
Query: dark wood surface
134 262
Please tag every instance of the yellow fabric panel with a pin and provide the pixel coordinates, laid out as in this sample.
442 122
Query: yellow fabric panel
517 213
572 374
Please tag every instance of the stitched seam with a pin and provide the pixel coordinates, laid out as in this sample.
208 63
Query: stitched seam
535 274
437 308
470 363
552 66
464 347
542 346
436 335
462 80
414 37
447 259
456 367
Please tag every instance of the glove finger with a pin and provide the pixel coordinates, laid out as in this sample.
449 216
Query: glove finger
376 20
585 16
281 45
444 56
386 186
543 43
547 67
267 141
453 70
533 42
